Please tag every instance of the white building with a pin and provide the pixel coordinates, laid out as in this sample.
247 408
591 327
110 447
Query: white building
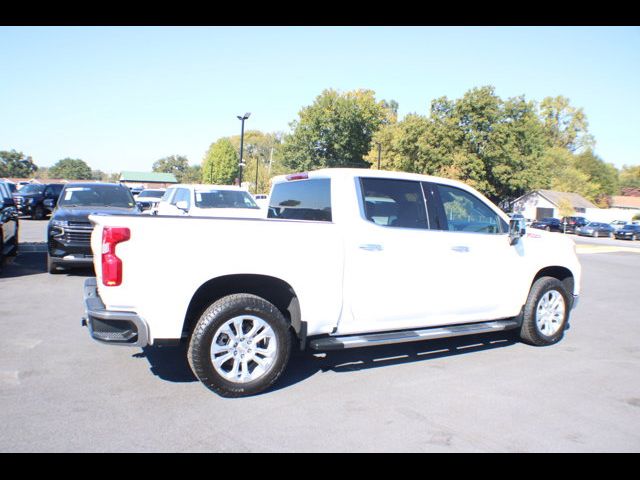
546 203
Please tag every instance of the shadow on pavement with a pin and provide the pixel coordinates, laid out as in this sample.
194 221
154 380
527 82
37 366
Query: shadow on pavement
30 261
171 364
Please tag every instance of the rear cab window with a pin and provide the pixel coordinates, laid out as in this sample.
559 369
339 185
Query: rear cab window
308 199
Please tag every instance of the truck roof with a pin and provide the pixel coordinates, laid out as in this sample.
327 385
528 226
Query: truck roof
359 172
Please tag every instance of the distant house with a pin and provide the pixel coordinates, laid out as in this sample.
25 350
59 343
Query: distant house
546 203
622 201
147 179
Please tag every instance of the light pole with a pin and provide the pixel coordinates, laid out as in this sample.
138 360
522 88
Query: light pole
379 154
242 119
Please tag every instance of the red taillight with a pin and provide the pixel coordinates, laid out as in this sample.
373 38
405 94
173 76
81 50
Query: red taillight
111 264
297 176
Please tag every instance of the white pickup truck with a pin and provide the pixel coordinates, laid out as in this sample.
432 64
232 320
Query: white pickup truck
346 258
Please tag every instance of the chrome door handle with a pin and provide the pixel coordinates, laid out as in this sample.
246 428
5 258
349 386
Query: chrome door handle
460 248
371 247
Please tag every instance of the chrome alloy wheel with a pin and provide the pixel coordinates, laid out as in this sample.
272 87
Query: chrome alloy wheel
244 349
550 313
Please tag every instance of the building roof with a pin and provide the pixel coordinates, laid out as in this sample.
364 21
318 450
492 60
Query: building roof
576 200
148 177
621 201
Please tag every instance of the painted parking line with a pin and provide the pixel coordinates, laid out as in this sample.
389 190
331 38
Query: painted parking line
585 249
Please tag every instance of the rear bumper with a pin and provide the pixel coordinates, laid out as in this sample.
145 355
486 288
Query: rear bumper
110 326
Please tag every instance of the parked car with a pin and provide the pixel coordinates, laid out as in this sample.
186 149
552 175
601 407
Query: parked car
596 229
209 201
570 224
346 258
8 223
549 224
629 232
30 199
135 191
262 199
69 229
149 198
618 224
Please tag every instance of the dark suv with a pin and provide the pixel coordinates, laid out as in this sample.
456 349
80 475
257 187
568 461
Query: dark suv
571 224
30 199
8 223
69 230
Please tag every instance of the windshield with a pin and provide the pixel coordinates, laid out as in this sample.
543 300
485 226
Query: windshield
96 196
224 199
32 188
151 194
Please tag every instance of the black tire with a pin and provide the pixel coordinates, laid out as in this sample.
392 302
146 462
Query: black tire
213 318
530 332
38 213
52 266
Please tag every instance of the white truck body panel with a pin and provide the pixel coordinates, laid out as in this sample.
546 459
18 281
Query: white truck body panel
350 275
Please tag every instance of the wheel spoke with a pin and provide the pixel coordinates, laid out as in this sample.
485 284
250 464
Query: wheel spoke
244 356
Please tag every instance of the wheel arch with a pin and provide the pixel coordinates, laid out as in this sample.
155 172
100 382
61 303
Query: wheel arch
272 289
561 273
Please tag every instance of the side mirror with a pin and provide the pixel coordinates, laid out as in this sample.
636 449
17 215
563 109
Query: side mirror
517 230
49 203
182 205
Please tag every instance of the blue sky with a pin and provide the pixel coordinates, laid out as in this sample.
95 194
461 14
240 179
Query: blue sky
122 97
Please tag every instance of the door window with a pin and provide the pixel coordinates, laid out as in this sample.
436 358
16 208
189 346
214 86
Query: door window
394 203
466 213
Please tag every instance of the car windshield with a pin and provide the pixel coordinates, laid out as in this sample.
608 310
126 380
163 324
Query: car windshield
96 196
224 199
32 188
151 194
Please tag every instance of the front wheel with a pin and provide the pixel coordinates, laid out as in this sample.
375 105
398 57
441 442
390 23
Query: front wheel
52 266
545 313
240 346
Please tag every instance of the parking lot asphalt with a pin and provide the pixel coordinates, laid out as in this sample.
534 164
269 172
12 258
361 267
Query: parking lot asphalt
62 392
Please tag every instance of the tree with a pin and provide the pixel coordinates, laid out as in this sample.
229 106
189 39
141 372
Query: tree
16 164
335 131
71 169
565 125
175 164
605 175
494 145
220 164
262 152
630 177
193 174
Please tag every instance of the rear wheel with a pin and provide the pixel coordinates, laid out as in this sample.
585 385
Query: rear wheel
546 312
240 346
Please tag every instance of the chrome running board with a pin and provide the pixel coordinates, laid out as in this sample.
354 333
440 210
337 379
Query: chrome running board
387 338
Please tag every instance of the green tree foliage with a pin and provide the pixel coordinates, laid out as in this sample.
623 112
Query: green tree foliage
193 174
178 165
604 175
335 131
261 154
16 164
565 126
220 164
630 177
71 169
492 144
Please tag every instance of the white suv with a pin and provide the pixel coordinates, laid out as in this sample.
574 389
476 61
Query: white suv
209 201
